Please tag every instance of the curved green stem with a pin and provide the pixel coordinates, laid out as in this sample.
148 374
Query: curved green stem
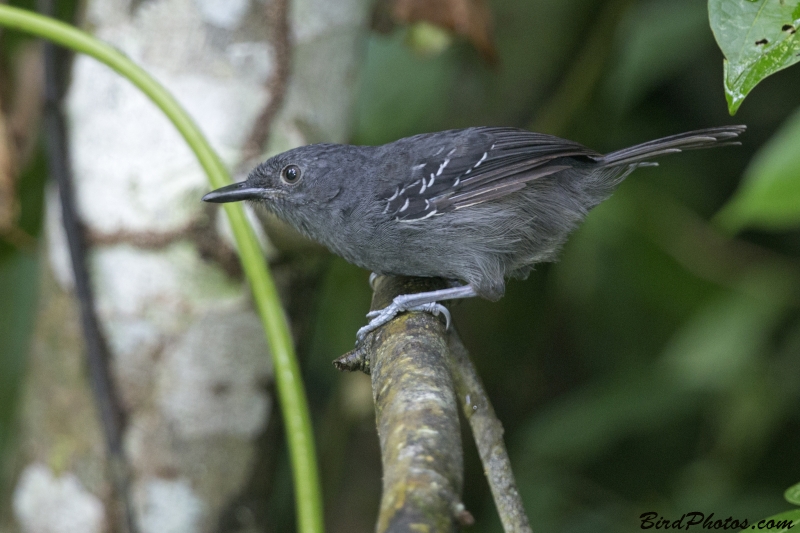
287 372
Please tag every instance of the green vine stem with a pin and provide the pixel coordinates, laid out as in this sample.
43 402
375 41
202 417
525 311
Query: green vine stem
294 406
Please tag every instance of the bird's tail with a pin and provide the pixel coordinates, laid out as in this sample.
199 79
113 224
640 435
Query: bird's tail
690 140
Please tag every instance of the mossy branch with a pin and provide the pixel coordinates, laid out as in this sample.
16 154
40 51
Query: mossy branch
419 373
417 417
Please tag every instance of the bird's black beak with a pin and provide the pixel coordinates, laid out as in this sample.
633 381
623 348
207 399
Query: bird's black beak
235 193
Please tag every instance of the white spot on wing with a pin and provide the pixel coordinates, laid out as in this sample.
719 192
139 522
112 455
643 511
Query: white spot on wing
405 206
407 221
481 161
395 195
428 215
424 185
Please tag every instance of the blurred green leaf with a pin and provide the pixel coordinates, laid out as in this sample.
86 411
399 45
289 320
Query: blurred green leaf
591 421
723 342
427 39
408 93
19 276
758 39
404 93
769 196
344 299
792 494
656 39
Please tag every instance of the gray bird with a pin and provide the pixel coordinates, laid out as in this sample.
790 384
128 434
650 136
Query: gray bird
474 206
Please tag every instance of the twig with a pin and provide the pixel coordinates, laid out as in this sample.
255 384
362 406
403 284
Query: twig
97 352
488 433
277 19
417 418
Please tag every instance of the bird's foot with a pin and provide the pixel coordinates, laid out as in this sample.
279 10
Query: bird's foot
378 318
423 301
382 316
435 308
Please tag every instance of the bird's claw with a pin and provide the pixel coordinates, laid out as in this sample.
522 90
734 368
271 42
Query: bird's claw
435 308
382 316
378 318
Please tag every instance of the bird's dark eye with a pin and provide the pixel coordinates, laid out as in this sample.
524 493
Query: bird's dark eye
290 174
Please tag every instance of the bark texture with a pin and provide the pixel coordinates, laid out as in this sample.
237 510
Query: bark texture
417 418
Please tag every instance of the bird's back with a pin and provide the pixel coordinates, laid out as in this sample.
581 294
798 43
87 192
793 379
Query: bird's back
482 204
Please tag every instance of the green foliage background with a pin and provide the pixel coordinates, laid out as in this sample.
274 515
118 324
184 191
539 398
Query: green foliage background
656 367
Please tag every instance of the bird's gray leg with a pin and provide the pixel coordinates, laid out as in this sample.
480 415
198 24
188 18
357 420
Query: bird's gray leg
422 301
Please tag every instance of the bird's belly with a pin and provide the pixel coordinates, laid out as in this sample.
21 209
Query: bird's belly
402 250
406 259
432 250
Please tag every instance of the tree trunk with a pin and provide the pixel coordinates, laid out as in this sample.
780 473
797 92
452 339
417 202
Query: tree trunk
189 358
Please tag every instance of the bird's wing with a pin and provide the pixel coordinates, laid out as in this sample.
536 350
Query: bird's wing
469 167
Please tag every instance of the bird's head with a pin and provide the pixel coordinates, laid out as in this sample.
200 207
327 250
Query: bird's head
291 183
